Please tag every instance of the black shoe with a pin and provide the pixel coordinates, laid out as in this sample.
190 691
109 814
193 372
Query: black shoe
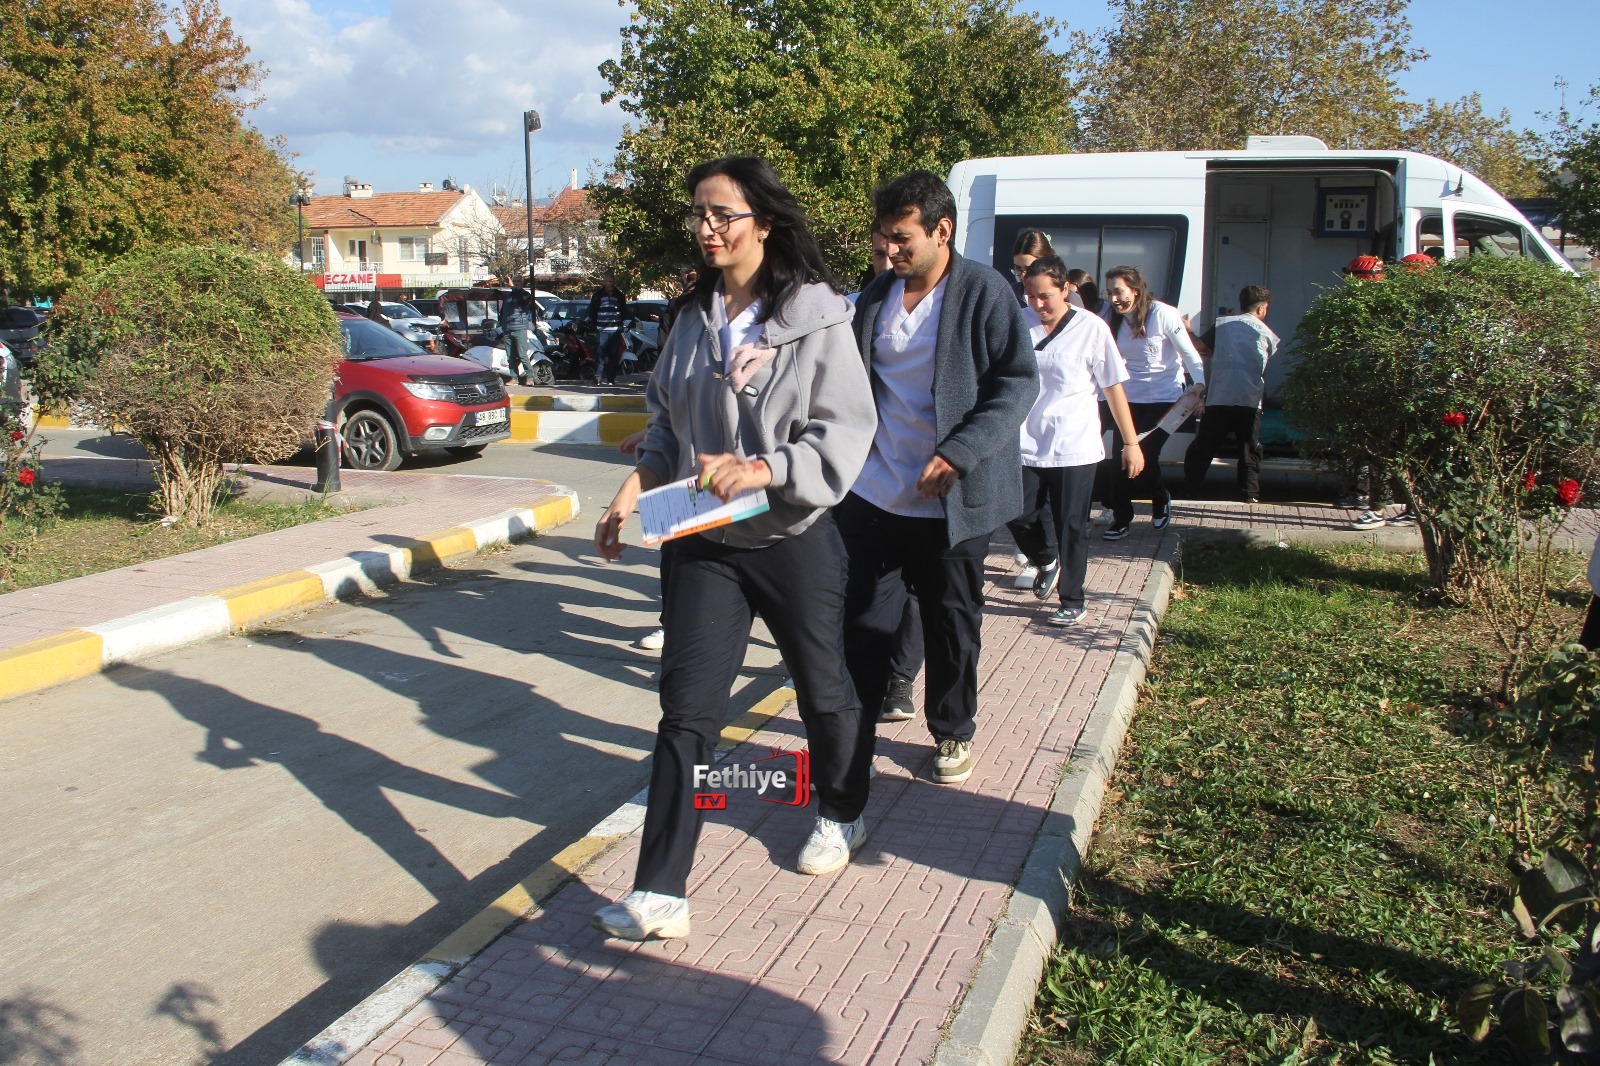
1251 499
522 381
898 705
1045 583
1160 518
1116 532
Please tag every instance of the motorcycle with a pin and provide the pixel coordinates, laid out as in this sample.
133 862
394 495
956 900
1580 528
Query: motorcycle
539 367
574 353
639 350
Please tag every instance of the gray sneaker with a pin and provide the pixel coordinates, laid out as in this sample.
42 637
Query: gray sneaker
642 915
1066 616
830 845
953 763
898 705
1369 520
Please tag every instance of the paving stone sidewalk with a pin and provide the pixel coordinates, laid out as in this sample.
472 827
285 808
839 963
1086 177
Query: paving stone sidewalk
395 509
863 966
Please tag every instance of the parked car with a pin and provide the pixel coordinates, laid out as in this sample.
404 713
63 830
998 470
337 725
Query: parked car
391 399
413 325
19 329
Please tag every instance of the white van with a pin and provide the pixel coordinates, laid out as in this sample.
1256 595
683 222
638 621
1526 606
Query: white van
1287 213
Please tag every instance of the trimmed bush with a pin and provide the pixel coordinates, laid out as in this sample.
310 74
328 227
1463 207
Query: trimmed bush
206 354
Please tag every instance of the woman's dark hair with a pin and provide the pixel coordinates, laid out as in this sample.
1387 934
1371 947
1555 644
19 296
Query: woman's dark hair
1046 266
792 257
1034 242
1088 291
1140 311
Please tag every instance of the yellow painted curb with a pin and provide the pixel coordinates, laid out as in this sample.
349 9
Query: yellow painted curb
517 902
532 403
49 661
755 719
614 427
434 548
622 403
262 599
53 422
524 425
551 513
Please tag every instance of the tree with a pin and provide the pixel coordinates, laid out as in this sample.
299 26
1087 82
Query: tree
1573 179
839 95
1170 75
1487 146
206 354
121 124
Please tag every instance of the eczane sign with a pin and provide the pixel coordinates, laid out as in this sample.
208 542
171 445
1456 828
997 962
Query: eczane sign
361 279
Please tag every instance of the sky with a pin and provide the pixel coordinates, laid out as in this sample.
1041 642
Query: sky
397 92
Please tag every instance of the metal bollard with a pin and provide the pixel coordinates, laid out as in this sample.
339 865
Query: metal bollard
329 445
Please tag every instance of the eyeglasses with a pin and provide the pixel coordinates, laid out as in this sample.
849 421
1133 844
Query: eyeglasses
719 221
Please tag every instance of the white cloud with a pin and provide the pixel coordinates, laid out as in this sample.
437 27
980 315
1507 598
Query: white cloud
416 89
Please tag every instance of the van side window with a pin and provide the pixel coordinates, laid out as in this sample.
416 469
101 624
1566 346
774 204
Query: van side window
1096 243
1430 236
1481 235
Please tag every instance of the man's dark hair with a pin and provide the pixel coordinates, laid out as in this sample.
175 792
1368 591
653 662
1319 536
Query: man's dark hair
792 258
920 189
1047 266
1253 296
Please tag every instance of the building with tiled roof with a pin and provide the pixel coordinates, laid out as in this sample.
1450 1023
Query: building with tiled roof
566 236
395 242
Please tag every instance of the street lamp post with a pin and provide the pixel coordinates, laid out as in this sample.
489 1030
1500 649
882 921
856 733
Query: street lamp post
300 201
530 122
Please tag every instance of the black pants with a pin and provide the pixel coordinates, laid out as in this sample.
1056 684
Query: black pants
888 553
712 593
1148 485
1109 466
608 345
1036 531
1217 425
1065 493
1590 636
905 656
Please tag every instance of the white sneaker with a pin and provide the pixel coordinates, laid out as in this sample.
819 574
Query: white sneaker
642 915
1024 579
654 640
1020 559
1369 520
1105 517
831 844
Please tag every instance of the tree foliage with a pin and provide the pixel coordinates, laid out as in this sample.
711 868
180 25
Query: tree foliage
1573 148
120 125
1169 75
205 353
1486 145
839 95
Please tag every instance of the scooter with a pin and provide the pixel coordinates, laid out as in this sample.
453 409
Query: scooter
639 353
539 367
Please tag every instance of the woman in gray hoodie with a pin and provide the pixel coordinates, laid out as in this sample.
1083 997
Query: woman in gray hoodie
760 386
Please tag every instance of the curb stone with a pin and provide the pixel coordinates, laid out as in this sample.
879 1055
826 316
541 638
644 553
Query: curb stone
988 1024
53 660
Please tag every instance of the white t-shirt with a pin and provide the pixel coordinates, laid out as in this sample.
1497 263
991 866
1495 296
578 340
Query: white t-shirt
902 368
1063 428
744 329
1157 360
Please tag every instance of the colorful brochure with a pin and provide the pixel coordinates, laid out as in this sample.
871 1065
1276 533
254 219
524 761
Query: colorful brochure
678 509
1180 412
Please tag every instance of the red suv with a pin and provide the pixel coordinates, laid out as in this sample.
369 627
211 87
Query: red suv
392 399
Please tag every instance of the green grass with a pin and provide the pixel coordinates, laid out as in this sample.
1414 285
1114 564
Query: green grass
1299 860
101 531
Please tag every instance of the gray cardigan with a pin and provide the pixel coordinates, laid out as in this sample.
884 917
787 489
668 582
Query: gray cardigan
808 413
985 380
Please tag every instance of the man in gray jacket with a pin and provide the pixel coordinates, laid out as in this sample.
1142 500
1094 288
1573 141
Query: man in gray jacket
953 375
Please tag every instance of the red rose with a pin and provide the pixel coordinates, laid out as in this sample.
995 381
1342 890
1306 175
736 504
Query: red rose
26 476
1455 419
1529 480
17 434
1568 491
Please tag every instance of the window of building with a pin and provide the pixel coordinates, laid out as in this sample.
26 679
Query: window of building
413 249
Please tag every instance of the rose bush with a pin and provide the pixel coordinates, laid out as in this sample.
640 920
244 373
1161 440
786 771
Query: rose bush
27 504
1477 384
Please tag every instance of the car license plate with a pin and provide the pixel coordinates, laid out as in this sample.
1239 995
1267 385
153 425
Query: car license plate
489 418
